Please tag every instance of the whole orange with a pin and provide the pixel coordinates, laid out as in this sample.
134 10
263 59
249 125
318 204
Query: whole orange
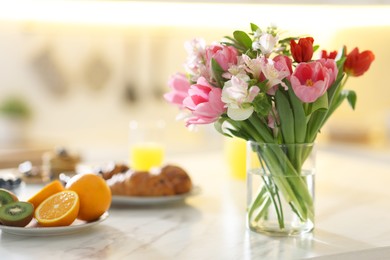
94 194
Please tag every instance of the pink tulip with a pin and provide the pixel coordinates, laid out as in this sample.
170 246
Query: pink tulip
180 86
204 101
224 55
310 81
331 65
283 63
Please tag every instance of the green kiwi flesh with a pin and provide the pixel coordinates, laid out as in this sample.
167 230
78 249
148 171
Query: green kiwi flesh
17 214
6 197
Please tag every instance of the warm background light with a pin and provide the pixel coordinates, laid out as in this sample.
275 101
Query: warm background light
192 14
111 59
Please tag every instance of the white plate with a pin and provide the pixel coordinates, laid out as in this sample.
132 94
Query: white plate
33 230
158 200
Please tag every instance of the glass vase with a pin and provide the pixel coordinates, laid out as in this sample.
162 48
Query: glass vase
280 188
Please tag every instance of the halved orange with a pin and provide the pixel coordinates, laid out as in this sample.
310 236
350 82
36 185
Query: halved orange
50 189
60 209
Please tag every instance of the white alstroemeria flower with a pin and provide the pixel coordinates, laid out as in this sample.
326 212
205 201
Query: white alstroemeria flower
237 70
253 65
273 75
238 97
257 33
196 47
265 43
194 65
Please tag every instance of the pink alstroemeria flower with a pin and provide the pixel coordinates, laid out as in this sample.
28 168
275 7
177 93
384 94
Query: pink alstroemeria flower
310 81
179 85
224 55
275 71
236 70
204 101
253 65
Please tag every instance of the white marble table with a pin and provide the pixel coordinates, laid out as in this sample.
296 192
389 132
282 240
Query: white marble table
352 209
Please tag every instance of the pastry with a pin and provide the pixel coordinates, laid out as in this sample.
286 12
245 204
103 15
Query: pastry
178 177
148 184
167 181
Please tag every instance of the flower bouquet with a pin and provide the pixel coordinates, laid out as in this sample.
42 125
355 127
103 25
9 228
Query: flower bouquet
269 91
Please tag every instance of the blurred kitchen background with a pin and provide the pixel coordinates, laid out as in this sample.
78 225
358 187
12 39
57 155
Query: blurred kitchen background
76 73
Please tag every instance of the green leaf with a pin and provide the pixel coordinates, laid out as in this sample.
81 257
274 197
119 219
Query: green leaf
351 97
286 117
341 53
338 100
243 39
263 86
218 126
217 72
299 117
315 123
254 27
235 44
231 39
334 88
320 103
315 48
261 127
228 127
261 104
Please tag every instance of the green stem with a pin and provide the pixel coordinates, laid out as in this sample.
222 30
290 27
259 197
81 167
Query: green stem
290 182
260 198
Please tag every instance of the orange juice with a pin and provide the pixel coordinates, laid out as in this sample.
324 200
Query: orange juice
145 156
235 154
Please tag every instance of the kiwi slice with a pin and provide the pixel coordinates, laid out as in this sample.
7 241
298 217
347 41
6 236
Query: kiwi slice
17 214
6 197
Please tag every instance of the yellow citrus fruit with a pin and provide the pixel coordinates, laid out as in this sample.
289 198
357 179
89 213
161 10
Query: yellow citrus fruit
60 209
48 190
94 194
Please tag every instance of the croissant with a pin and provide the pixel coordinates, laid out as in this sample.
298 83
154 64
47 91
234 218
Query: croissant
167 181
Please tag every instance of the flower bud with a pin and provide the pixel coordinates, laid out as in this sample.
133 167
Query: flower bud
303 51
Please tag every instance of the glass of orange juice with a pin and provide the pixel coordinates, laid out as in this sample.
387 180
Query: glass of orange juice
235 155
146 145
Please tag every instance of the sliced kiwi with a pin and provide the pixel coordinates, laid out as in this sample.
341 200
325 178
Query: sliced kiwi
17 214
6 197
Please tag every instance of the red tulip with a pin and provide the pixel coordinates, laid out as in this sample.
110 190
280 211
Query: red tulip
357 63
331 55
303 51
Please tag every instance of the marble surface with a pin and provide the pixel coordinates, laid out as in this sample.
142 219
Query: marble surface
352 214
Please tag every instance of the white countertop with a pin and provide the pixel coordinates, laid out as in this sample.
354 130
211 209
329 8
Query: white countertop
352 213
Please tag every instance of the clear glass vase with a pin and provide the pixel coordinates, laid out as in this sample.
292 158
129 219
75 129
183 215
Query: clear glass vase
280 188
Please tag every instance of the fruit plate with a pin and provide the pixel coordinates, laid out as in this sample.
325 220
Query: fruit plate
149 201
33 230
